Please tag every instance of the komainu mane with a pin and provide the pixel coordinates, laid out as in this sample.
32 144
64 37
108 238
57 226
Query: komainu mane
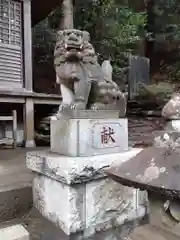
82 82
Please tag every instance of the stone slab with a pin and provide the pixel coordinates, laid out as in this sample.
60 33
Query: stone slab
93 207
89 137
89 114
15 232
73 170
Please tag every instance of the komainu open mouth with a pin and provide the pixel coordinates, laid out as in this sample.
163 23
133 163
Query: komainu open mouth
72 47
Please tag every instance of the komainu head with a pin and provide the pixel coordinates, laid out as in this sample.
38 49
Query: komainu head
73 39
71 44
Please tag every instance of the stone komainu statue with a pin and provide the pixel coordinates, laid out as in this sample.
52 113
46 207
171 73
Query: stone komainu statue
83 83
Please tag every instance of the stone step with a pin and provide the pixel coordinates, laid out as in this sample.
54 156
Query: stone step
15 185
13 232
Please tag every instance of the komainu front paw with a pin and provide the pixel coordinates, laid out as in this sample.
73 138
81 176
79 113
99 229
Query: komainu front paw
64 111
78 105
98 106
64 107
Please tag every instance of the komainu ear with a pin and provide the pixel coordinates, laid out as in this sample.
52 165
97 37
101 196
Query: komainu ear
86 36
57 79
60 35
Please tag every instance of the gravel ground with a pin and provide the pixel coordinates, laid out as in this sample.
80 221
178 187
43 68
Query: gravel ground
41 229
34 223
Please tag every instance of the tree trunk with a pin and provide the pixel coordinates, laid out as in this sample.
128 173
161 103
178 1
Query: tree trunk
150 28
67 21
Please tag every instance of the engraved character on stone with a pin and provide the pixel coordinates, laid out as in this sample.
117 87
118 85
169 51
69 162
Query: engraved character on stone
107 135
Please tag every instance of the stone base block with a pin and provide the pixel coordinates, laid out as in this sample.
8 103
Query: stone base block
15 232
76 195
89 137
91 207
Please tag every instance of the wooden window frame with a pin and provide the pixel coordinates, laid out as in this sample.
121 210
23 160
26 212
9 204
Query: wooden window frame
11 25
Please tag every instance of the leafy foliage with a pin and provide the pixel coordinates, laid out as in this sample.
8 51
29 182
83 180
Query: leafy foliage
165 28
167 24
43 42
159 92
114 27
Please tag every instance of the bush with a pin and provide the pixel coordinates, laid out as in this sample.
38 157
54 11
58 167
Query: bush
156 92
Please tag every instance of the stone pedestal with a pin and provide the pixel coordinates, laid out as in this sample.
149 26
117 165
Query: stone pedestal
76 195
70 188
89 137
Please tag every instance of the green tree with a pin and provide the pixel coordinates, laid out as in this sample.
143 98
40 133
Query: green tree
164 32
44 38
167 24
115 27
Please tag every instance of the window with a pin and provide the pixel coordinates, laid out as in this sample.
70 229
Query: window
10 44
10 22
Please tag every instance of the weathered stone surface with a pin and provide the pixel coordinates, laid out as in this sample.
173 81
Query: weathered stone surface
156 170
173 125
167 139
15 232
138 74
72 170
92 207
95 203
107 69
172 109
89 137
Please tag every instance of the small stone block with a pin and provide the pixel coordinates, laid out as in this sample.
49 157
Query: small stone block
89 137
15 232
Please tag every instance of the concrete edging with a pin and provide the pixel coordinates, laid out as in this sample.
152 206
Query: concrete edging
15 232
